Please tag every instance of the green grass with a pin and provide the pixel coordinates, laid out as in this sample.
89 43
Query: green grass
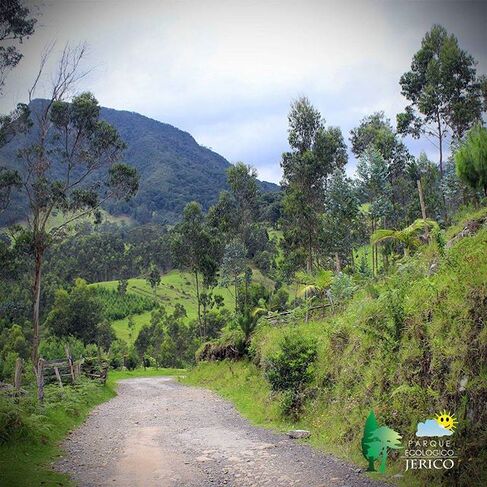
176 287
26 463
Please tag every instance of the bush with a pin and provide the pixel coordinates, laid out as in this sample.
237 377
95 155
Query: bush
53 348
132 360
291 370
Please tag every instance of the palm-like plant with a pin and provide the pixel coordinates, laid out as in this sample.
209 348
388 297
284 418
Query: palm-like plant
247 322
408 236
314 284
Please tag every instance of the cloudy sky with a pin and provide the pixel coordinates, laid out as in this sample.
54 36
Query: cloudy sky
226 71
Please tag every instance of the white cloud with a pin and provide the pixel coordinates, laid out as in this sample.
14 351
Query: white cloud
226 71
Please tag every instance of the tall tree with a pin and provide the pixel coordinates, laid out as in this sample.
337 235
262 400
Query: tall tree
233 266
375 132
443 89
196 248
68 147
341 221
153 278
242 180
316 152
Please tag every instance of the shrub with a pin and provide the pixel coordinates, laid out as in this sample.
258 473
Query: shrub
290 370
132 360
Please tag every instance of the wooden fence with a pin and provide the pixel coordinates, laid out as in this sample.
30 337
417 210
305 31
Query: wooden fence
62 372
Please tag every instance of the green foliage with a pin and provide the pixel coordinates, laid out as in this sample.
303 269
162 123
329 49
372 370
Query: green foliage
404 350
30 432
53 348
471 159
342 287
290 369
170 341
314 284
76 313
407 236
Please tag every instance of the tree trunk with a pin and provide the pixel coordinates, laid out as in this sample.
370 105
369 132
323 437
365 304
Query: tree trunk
371 467
198 298
39 368
235 283
440 142
18 373
421 199
373 248
338 266
39 252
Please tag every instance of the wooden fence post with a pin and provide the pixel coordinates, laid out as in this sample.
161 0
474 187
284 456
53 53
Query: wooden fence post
58 377
18 373
70 363
40 380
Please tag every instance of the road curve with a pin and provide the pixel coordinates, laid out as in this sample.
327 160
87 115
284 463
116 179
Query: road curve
159 433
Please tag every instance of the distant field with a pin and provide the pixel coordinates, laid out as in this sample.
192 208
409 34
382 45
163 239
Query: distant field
176 287
58 218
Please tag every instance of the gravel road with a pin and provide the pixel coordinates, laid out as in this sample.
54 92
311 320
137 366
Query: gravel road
157 432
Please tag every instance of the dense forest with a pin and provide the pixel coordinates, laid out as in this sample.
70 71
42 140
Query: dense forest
130 244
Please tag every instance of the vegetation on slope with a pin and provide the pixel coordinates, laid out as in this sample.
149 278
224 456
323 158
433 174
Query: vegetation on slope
408 346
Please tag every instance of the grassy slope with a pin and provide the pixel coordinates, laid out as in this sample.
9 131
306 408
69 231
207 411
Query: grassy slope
176 287
26 463
360 367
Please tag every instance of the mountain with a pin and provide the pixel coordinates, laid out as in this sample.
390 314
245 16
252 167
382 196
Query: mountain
174 169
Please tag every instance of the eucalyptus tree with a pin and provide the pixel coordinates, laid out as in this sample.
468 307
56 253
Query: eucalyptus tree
197 248
69 164
341 221
233 266
375 133
242 180
315 153
444 93
16 24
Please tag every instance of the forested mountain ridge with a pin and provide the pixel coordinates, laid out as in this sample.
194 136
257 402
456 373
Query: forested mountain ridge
173 168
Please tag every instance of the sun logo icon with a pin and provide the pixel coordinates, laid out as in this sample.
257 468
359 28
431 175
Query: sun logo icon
447 420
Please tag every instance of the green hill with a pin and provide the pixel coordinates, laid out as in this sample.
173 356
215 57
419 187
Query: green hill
173 168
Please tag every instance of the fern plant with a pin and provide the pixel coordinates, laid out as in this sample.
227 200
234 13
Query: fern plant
408 237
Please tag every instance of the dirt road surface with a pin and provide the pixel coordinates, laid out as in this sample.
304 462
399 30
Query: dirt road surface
159 433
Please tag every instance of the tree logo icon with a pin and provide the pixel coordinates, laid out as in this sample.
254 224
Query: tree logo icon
377 441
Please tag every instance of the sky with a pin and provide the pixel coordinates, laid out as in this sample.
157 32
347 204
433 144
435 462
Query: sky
226 71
